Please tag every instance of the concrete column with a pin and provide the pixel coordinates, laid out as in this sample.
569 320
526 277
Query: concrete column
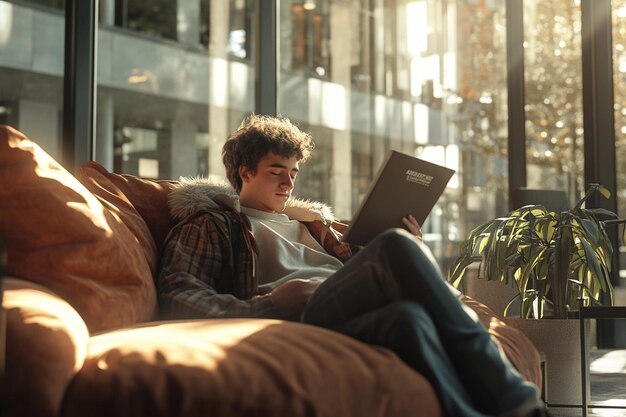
107 12
105 133
217 137
218 111
286 38
184 154
380 146
40 122
341 181
219 30
188 21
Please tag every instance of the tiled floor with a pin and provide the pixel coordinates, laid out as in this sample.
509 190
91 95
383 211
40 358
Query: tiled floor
608 385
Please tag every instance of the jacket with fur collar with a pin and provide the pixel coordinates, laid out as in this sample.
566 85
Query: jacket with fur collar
195 194
208 263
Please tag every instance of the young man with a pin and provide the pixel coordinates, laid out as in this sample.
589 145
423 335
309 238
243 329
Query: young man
258 252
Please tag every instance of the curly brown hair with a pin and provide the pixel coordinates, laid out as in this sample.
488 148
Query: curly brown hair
256 137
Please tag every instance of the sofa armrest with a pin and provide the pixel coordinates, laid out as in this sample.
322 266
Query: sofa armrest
520 351
46 346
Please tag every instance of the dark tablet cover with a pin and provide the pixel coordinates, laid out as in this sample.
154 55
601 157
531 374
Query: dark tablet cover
403 185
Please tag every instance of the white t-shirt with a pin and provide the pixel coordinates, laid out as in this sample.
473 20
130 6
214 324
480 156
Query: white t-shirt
287 250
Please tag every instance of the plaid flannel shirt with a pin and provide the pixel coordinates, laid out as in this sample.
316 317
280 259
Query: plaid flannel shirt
208 267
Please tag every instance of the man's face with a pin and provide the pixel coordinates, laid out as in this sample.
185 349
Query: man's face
270 187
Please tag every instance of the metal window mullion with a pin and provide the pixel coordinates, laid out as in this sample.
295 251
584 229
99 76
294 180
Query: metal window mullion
79 91
266 58
599 118
121 13
516 98
598 101
599 129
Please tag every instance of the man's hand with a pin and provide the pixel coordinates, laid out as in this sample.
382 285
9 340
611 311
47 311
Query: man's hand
412 225
291 297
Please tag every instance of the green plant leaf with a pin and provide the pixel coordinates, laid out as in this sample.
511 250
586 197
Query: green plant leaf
605 192
553 258
597 211
510 304
561 271
459 269
527 302
592 263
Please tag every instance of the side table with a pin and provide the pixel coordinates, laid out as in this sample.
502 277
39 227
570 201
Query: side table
601 312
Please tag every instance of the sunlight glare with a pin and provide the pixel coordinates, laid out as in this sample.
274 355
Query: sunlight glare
417 27
202 343
6 20
611 362
56 316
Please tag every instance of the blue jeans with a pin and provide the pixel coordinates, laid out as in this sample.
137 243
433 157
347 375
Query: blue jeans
390 294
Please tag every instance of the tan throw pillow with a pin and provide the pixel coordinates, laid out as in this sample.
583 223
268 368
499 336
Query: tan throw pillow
147 197
59 235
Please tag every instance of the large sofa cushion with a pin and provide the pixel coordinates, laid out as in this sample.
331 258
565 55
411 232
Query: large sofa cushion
59 235
46 347
147 197
243 367
115 200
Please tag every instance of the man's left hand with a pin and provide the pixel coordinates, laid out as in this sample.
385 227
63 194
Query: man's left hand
413 226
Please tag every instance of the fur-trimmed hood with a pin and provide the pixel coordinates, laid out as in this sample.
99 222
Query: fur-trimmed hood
200 193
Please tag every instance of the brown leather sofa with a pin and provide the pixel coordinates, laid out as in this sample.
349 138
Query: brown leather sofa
83 336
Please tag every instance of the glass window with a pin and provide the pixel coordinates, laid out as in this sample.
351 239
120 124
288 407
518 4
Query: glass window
553 90
239 35
306 30
152 17
619 61
425 77
619 79
55 4
171 89
31 71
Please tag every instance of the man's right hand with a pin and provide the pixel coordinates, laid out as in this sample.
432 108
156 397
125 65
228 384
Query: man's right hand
291 297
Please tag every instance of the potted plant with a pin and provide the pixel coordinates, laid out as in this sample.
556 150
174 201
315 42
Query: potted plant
553 259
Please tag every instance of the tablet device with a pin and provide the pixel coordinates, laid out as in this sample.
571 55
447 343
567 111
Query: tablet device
403 185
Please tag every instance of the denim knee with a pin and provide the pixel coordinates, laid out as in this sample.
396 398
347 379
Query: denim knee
408 316
395 236
399 246
395 243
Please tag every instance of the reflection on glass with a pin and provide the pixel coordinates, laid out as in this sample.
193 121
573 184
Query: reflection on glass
172 84
619 88
423 77
31 71
56 4
553 89
619 74
152 17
